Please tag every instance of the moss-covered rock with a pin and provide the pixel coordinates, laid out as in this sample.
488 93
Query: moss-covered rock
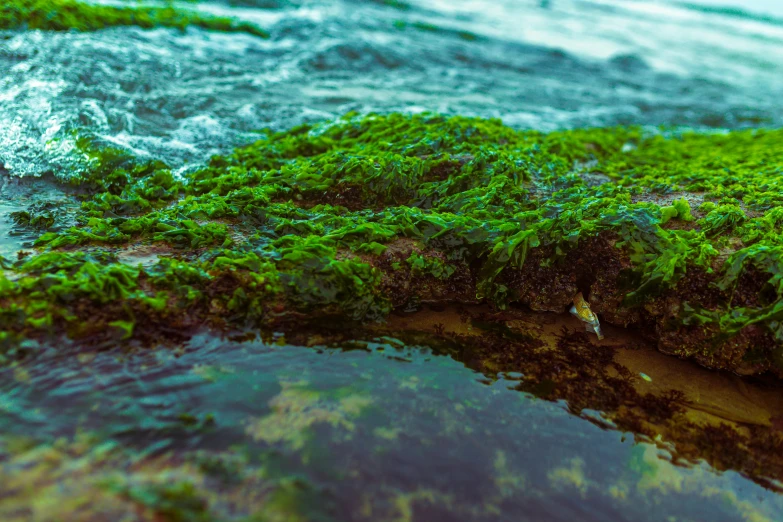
680 234
65 15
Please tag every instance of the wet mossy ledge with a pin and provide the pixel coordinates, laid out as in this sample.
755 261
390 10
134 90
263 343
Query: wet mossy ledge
677 234
65 15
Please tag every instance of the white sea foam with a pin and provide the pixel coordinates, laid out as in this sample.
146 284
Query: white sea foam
563 63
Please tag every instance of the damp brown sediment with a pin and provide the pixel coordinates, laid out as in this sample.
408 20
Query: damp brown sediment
733 423
599 269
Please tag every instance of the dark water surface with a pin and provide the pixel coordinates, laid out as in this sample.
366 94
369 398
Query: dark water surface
381 433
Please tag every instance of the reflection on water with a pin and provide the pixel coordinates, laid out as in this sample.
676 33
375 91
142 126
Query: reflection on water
373 430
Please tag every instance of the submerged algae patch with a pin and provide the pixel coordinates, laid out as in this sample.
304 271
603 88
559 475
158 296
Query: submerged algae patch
64 15
692 413
464 447
297 409
354 217
91 479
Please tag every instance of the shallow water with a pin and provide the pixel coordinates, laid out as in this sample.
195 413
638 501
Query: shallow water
384 432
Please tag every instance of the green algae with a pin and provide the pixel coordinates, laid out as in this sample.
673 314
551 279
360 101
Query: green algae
331 219
298 409
40 216
429 265
65 15
570 476
91 479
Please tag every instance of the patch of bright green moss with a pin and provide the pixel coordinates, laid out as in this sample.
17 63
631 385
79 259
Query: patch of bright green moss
429 265
301 220
64 15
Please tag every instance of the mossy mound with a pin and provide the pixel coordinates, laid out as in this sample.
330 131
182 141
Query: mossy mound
678 235
65 15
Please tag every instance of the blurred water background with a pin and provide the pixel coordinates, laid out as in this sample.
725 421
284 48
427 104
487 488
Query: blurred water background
542 64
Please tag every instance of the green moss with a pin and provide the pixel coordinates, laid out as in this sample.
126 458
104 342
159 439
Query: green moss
64 15
41 216
722 219
421 265
304 220
679 208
